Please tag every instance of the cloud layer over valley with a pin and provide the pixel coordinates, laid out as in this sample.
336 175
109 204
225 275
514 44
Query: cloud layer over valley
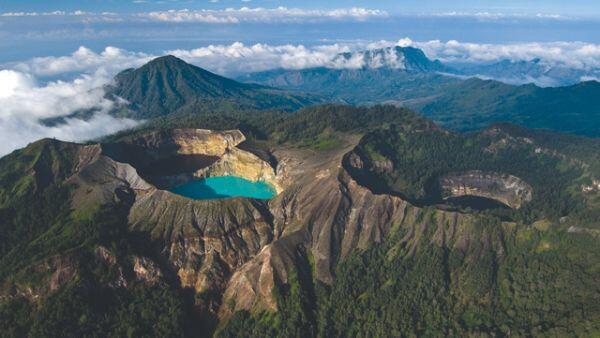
237 57
24 103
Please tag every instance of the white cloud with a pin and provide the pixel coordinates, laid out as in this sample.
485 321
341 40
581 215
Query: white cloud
236 58
240 58
280 15
17 14
23 103
111 60
259 14
579 55
590 78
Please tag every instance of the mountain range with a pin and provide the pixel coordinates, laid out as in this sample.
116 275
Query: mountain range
405 58
534 71
401 76
408 79
382 223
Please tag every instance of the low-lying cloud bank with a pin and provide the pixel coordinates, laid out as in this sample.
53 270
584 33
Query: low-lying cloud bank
84 60
579 55
26 97
29 90
24 102
238 57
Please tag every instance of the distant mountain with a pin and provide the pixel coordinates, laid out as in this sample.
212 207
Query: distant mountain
533 71
356 86
371 76
475 103
441 94
409 59
168 85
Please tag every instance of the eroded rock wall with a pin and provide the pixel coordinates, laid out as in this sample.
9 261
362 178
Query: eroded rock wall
237 162
198 237
505 188
146 150
208 142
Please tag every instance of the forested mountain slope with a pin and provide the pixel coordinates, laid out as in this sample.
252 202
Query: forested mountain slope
475 103
368 234
168 85
447 97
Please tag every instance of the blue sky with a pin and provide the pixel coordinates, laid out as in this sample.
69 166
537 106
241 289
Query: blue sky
572 7
32 28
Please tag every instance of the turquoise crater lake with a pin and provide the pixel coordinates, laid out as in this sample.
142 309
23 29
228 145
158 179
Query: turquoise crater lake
224 187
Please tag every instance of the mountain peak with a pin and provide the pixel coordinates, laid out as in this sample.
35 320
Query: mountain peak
166 84
167 59
171 63
407 58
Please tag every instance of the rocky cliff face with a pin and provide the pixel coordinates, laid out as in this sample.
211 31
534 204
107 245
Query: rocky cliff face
202 238
504 188
201 242
146 149
237 162
173 157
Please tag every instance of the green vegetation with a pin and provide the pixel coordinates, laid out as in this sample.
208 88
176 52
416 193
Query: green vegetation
442 291
97 311
38 230
357 86
169 86
420 159
88 305
296 315
453 103
544 284
31 199
474 104
582 149
317 127
487 279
